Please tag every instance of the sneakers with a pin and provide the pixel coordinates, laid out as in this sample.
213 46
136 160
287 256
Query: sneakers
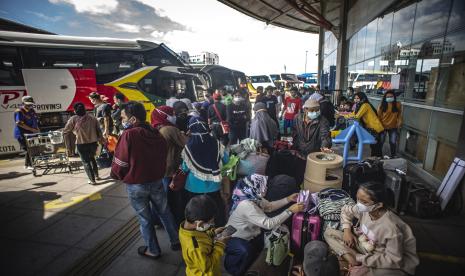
91 182
28 168
98 178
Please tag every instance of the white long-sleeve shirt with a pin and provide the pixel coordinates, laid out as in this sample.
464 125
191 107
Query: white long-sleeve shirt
248 218
395 245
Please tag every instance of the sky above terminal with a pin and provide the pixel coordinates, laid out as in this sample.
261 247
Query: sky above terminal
242 43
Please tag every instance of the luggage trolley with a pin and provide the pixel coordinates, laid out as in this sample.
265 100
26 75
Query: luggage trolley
47 152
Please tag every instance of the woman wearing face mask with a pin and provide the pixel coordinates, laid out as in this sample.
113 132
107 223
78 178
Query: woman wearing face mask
366 114
311 130
237 117
202 158
390 114
249 218
87 130
162 118
381 243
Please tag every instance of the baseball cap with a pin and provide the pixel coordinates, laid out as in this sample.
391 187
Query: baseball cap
317 261
259 106
27 100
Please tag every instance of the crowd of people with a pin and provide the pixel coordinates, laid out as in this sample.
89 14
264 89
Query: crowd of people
191 141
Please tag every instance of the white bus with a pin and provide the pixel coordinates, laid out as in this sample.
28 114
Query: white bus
61 70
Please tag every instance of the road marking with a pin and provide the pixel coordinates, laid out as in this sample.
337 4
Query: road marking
442 258
59 203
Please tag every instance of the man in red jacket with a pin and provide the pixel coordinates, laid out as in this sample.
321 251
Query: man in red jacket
140 162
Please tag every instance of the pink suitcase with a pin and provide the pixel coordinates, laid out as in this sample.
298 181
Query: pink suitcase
305 228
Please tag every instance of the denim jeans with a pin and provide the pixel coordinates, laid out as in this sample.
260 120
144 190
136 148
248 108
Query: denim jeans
149 200
240 254
392 134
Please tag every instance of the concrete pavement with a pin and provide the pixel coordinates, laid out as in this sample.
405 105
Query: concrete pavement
50 222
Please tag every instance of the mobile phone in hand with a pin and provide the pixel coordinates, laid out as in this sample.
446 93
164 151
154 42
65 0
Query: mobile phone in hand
228 231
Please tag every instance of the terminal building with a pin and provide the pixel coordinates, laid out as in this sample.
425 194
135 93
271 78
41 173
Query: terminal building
203 58
414 47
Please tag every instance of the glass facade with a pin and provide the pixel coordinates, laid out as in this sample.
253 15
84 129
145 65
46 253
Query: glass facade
328 75
419 51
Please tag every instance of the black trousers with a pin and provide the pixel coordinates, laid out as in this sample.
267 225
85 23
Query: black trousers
87 153
22 143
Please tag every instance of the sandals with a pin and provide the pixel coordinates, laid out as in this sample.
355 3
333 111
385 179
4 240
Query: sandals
142 250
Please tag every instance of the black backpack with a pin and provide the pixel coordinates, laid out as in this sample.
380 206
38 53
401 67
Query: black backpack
280 187
357 173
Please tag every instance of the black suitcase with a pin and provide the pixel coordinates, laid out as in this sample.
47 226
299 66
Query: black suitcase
422 202
356 173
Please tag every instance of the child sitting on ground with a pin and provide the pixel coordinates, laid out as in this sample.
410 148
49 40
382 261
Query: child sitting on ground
201 251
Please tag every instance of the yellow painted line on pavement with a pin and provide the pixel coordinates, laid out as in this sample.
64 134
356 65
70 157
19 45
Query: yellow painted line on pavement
59 203
442 258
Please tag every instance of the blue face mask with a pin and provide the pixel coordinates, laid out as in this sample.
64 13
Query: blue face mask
389 100
126 125
313 115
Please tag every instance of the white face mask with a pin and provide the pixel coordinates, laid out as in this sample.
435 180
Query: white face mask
364 208
203 228
313 115
171 119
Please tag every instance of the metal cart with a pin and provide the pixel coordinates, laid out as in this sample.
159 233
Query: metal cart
47 152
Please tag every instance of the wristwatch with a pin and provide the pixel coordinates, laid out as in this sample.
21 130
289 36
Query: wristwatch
288 212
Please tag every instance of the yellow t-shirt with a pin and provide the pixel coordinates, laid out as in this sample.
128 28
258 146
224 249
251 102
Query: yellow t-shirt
201 253
369 117
390 119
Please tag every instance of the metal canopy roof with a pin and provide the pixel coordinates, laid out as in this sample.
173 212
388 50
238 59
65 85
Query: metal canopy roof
298 15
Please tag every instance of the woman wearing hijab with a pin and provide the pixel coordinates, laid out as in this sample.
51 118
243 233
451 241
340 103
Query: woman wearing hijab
87 130
249 218
367 115
203 157
164 120
163 116
263 128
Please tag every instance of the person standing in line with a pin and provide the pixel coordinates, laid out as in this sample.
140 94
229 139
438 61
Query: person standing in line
202 158
238 117
367 115
27 122
140 162
292 107
119 100
102 111
279 97
263 129
208 100
271 103
260 94
327 109
163 120
311 130
390 114
88 133
215 111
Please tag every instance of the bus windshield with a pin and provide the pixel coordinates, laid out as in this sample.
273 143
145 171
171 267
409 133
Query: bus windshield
289 77
260 79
